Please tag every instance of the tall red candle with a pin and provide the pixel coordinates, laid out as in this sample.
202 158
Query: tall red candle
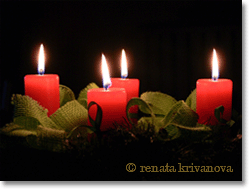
111 100
131 85
212 93
44 88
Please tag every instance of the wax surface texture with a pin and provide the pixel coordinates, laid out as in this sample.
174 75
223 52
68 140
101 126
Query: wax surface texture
113 104
44 89
211 94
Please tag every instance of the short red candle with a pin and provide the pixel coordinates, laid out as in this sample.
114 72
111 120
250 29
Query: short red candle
131 85
111 100
212 93
113 104
43 88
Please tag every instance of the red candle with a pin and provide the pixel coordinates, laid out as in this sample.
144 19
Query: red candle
111 100
43 88
131 85
212 93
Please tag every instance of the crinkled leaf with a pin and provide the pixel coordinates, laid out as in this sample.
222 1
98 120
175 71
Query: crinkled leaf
26 106
66 95
160 103
194 133
142 104
13 129
10 127
82 130
82 97
44 132
191 100
49 139
72 114
21 133
29 123
185 116
145 121
173 132
198 127
181 114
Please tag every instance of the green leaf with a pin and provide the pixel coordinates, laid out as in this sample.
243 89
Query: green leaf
21 133
49 139
82 97
66 95
173 132
13 129
26 106
181 114
145 121
96 123
160 103
191 100
10 127
53 134
72 114
218 112
194 133
142 104
83 130
184 115
29 123
230 123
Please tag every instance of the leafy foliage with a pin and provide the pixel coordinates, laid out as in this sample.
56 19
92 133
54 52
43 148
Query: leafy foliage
31 120
191 100
66 94
174 117
27 107
160 103
163 118
70 115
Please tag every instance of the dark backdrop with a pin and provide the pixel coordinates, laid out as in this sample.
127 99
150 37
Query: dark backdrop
168 44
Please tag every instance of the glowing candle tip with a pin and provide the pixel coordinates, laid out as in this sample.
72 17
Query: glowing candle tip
215 67
124 70
105 73
41 60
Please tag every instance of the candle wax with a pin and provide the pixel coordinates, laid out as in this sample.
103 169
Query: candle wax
113 104
131 87
211 94
44 89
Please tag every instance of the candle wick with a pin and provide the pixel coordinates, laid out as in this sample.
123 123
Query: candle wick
106 87
214 78
41 72
123 77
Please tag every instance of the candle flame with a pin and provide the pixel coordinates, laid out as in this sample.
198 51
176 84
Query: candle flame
124 70
41 59
105 73
215 66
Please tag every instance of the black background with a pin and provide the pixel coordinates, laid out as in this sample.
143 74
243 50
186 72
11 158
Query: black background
168 43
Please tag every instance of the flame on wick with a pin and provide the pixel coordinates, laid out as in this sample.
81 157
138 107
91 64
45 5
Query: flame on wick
124 70
105 73
41 59
215 66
